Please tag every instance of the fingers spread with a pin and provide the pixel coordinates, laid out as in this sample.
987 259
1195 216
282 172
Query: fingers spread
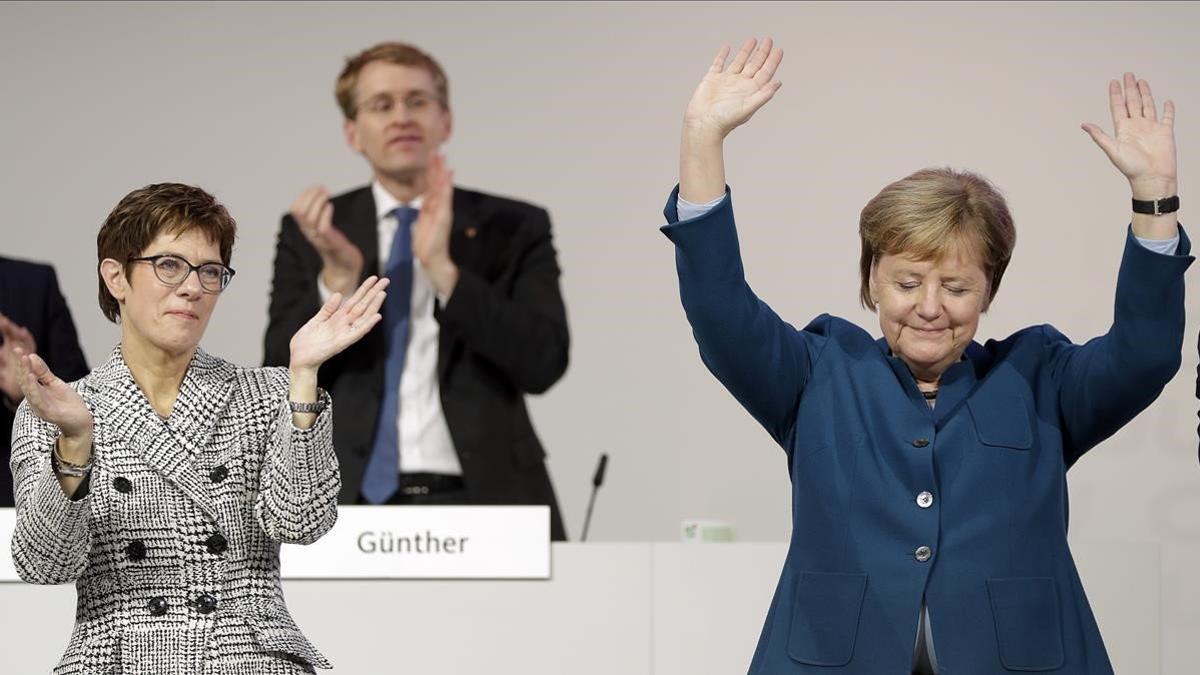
1133 100
759 98
1116 103
757 58
361 292
1169 113
769 67
743 55
718 63
331 305
1149 111
1102 139
376 297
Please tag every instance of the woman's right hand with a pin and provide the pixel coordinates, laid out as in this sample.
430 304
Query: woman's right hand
53 400
729 95
726 98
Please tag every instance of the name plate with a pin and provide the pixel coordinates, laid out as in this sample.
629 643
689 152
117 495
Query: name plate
406 542
428 542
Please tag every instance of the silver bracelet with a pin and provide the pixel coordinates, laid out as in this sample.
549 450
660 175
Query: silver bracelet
65 468
314 407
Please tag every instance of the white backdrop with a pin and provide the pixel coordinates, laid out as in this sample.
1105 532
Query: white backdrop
576 106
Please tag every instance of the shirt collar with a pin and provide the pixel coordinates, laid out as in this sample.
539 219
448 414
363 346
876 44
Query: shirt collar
385 203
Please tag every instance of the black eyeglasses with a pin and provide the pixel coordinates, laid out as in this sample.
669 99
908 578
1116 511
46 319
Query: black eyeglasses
172 270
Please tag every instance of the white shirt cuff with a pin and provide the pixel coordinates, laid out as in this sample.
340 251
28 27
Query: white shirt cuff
322 291
688 210
1163 246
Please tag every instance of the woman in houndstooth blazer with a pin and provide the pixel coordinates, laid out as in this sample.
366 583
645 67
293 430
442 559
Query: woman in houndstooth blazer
164 481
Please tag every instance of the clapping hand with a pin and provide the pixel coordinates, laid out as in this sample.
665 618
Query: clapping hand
14 337
431 232
53 400
341 261
337 325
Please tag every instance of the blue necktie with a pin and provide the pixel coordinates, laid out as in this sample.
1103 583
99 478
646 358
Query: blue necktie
382 477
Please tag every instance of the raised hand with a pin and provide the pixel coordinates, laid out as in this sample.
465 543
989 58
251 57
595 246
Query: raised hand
342 261
52 399
431 232
1143 146
15 336
726 97
730 94
337 325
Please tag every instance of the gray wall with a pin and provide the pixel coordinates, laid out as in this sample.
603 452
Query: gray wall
577 107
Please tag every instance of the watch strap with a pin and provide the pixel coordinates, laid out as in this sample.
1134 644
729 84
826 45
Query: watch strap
1156 207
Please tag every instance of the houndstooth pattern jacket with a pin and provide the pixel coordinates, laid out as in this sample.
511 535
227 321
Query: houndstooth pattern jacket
174 550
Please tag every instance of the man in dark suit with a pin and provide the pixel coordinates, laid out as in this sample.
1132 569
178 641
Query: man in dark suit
429 407
34 317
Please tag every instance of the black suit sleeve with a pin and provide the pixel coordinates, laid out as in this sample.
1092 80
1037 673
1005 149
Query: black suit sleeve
294 296
520 323
60 344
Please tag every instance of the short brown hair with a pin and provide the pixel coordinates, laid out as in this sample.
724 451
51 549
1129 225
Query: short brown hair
932 213
397 53
147 212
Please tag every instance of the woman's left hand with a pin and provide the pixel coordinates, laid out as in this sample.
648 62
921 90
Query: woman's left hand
338 325
1144 146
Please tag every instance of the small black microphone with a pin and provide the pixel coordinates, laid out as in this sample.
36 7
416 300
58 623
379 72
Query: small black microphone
597 481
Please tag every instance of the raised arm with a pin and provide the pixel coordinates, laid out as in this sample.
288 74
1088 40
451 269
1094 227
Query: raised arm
762 360
299 479
1107 381
53 428
726 98
1143 150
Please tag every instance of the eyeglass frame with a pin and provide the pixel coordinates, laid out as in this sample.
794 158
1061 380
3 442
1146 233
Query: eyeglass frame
408 101
153 260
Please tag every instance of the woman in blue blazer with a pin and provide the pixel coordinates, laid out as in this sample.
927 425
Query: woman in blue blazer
929 494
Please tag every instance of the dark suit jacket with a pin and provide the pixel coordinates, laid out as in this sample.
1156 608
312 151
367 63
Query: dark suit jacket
503 334
987 550
29 296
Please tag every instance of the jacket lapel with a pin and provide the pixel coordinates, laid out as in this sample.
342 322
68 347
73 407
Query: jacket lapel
170 447
361 226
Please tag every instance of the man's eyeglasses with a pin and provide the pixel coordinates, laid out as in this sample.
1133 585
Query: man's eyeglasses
415 103
172 270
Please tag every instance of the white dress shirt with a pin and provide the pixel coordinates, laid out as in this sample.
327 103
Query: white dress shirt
425 442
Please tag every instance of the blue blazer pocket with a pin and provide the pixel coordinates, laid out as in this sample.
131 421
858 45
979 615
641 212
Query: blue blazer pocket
825 614
1028 629
1001 420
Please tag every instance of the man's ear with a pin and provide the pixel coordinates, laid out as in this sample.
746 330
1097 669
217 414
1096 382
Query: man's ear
350 129
449 126
113 274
